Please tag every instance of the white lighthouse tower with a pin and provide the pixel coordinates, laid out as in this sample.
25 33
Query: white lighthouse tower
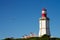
44 24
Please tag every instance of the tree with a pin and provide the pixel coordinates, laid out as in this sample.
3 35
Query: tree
8 39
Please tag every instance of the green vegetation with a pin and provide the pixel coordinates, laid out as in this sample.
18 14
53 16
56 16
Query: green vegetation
44 37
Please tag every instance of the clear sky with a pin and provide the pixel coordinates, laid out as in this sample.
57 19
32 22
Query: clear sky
20 17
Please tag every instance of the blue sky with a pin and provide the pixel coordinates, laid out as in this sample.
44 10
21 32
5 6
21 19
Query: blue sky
20 17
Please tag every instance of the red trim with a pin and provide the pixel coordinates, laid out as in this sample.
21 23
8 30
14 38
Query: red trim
43 15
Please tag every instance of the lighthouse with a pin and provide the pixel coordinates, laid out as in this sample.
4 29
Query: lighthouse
44 24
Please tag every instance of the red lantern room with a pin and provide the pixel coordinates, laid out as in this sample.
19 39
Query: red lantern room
44 12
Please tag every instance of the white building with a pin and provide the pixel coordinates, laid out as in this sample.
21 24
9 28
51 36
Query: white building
44 24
